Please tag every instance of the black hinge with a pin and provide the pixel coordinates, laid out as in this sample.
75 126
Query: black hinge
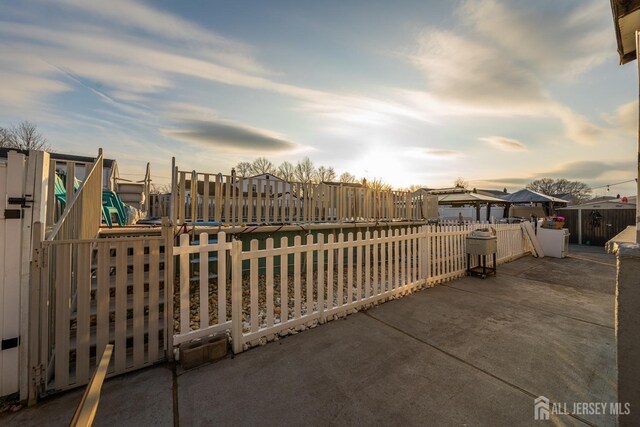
9 343
12 213
22 201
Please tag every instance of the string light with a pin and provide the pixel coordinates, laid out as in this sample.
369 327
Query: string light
611 185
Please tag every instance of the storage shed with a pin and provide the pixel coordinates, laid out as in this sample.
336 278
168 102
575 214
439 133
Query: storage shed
595 223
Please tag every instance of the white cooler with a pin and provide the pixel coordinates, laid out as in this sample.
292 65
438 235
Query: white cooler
555 243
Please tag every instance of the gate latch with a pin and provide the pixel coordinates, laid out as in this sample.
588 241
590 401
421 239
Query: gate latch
22 201
9 343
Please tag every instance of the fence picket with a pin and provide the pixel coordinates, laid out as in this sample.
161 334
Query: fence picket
367 264
103 296
330 280
397 260
120 348
203 265
253 287
138 303
154 296
375 266
359 265
228 200
383 263
222 278
350 268
340 294
309 279
284 282
205 198
321 276
185 303
84 308
269 282
62 313
250 203
297 293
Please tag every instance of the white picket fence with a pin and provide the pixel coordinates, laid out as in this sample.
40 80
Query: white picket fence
278 286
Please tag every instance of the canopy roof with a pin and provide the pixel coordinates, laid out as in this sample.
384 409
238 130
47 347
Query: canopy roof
529 196
460 198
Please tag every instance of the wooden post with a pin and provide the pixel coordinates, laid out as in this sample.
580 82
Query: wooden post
236 296
34 363
37 183
638 155
193 193
167 234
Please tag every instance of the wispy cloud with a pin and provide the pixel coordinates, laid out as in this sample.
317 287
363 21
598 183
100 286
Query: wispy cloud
442 153
230 136
625 118
587 170
494 66
503 143
592 172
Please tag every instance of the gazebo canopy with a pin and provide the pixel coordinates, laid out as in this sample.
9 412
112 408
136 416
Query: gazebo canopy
529 196
462 198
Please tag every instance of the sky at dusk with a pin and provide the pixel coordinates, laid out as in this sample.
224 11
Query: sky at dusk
412 92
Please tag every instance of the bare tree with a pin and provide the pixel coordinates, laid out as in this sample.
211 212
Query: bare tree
6 138
412 188
579 191
160 188
243 169
305 171
24 136
262 165
29 138
286 171
326 174
376 184
346 177
460 182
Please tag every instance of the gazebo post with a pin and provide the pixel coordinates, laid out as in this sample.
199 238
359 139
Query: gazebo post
478 211
488 211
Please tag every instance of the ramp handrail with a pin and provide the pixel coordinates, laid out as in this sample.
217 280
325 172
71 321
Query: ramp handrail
83 216
86 410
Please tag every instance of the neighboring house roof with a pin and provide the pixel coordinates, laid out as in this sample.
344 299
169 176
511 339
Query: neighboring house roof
601 199
265 176
493 193
566 196
459 198
625 14
529 196
571 200
107 163
344 184
605 204
446 190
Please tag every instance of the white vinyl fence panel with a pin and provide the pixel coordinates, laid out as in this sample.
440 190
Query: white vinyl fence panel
279 285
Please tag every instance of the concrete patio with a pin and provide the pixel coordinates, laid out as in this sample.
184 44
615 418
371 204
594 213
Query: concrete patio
469 352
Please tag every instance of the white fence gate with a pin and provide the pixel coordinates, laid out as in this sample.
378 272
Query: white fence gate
21 195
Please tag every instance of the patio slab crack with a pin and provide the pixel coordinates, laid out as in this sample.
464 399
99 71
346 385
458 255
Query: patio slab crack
469 364
528 306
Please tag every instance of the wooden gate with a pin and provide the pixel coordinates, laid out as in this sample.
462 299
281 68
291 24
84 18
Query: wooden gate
21 194
97 292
